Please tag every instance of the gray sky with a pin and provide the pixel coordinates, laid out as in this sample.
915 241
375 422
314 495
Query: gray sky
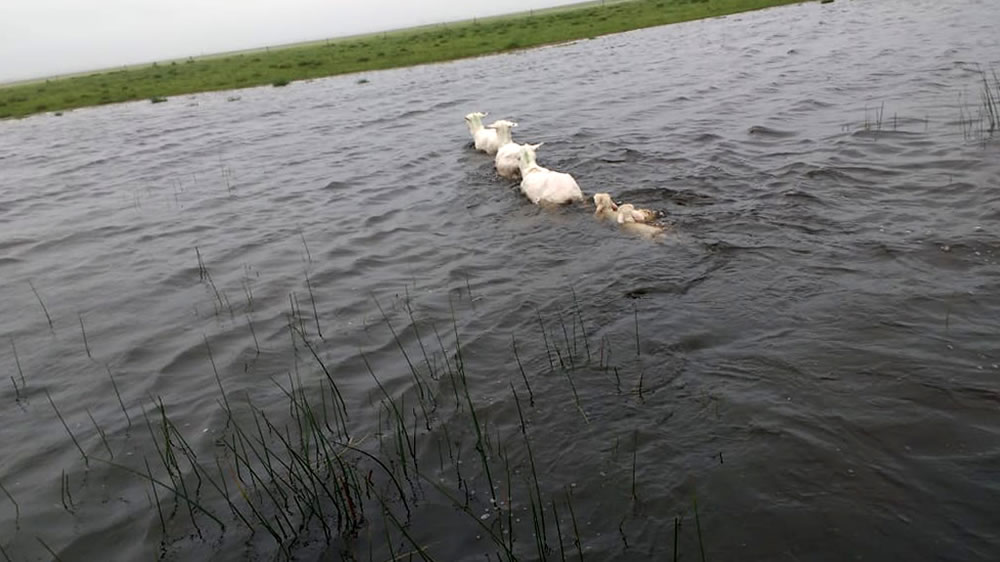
48 37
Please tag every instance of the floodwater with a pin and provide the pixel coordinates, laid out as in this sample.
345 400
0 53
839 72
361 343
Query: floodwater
811 353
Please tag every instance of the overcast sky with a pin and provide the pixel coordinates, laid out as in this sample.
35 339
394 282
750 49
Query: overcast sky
48 37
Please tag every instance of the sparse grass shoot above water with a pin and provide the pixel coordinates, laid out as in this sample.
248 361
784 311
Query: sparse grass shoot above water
434 43
981 121
42 303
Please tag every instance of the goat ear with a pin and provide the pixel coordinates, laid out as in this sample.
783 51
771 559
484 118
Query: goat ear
536 146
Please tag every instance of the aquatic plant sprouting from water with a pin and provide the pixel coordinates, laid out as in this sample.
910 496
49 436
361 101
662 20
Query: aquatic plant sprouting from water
876 121
307 471
981 122
991 101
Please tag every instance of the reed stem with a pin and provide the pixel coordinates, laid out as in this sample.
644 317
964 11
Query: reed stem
17 508
71 436
84 332
44 309
17 361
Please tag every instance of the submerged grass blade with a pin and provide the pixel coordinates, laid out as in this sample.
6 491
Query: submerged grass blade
44 309
545 339
420 550
17 507
498 540
156 496
697 524
576 530
340 407
104 437
118 394
416 331
83 331
635 453
447 364
253 333
534 471
17 361
201 264
524 377
635 312
63 490
305 245
677 529
71 436
481 444
397 415
576 397
579 319
218 378
46 547
399 344
555 515
312 299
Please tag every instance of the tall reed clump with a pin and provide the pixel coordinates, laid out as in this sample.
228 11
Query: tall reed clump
311 471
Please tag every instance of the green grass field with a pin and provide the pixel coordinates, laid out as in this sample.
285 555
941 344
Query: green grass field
407 47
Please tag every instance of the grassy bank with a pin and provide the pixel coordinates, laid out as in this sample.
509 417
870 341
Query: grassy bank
371 52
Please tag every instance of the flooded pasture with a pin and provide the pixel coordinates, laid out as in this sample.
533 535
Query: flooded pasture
318 301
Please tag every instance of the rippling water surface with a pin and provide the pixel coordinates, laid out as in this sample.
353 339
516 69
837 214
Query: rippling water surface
817 336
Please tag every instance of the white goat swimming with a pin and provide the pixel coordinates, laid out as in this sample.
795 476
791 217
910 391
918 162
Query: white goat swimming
491 140
638 215
484 138
626 219
606 208
543 186
508 157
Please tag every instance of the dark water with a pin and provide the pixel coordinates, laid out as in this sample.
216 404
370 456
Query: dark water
818 336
